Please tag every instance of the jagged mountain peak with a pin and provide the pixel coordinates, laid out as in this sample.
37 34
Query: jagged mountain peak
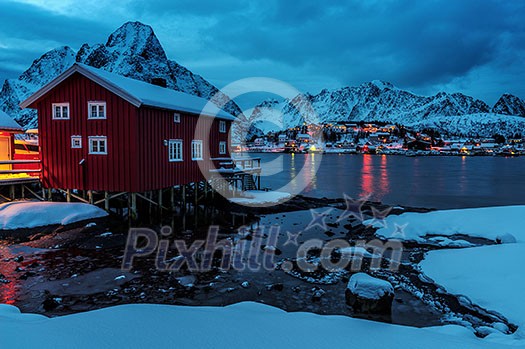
130 33
138 39
51 63
133 50
509 104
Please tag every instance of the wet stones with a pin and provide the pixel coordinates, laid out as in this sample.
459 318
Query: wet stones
366 294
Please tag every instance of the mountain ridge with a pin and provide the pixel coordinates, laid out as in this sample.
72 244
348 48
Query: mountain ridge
383 102
133 50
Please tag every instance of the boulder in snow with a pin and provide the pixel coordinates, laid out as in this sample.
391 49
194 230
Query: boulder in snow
366 294
505 239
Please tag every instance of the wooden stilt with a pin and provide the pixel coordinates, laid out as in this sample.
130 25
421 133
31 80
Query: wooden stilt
90 197
68 195
196 194
184 197
12 192
172 198
49 194
22 191
134 214
106 201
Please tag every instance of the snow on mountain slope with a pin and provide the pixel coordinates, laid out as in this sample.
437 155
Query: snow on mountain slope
43 70
133 50
509 105
381 101
475 125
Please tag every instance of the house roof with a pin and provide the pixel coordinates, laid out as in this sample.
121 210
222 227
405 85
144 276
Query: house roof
136 92
8 123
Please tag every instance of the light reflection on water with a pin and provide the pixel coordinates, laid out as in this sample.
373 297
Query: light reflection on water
439 182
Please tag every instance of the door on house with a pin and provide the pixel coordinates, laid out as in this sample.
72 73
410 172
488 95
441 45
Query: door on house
5 152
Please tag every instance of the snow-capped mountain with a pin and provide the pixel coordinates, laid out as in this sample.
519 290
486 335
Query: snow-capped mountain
133 50
509 105
382 102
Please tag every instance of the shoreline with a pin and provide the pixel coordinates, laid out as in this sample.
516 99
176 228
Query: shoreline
50 273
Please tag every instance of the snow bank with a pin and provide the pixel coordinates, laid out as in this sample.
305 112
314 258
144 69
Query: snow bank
259 198
489 223
30 214
366 286
244 325
491 277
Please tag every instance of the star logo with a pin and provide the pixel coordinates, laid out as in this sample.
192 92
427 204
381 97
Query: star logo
379 217
399 230
318 219
354 208
291 239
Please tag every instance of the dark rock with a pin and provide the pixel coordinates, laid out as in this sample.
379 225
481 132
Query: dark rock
318 293
366 294
276 287
50 304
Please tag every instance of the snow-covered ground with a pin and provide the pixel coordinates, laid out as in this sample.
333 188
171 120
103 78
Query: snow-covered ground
261 198
490 276
244 325
31 214
489 222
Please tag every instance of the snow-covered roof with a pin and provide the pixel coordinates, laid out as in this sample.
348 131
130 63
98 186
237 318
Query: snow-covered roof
137 92
8 123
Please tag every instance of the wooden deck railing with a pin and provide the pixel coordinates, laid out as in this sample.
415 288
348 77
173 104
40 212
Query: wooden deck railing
19 170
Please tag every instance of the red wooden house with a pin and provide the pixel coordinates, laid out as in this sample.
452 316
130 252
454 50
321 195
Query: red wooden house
101 131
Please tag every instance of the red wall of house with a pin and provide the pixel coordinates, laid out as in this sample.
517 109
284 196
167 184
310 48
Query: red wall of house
116 171
156 126
137 158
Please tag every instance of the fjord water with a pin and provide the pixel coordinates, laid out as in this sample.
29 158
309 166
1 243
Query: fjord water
440 182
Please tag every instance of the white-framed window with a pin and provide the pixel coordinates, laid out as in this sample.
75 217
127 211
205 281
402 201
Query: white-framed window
176 118
96 110
222 126
98 145
60 111
196 150
175 150
222 148
76 142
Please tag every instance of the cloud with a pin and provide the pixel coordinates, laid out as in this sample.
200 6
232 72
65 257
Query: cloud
421 45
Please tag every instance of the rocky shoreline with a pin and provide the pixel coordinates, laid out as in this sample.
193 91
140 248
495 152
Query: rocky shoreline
64 270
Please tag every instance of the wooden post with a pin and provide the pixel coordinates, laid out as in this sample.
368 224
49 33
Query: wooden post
68 195
160 199
22 191
106 201
172 198
134 215
196 193
184 196
90 196
12 191
44 194
49 194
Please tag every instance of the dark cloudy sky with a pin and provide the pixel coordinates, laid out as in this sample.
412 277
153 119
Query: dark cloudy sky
472 46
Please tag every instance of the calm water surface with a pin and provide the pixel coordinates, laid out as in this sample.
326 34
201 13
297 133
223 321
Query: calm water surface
437 182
